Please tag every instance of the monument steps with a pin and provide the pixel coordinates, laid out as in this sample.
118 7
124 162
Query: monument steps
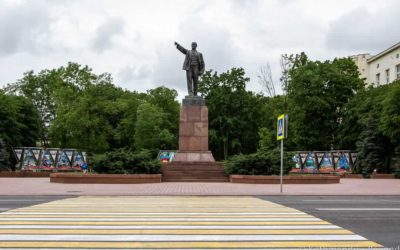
196 180
194 172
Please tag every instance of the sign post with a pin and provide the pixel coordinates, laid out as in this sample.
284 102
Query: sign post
281 134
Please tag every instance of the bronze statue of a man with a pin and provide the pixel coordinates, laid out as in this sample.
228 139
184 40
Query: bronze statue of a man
194 66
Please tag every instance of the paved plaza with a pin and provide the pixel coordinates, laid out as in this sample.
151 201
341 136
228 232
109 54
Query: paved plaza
42 186
359 213
178 222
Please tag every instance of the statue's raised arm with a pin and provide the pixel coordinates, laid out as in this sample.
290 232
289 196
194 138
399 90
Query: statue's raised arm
180 48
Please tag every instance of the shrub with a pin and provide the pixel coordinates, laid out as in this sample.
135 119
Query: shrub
367 172
126 162
396 173
4 156
260 163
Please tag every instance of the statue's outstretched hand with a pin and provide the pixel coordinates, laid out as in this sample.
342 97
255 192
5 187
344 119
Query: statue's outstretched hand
175 43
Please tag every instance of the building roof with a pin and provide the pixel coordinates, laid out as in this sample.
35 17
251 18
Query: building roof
358 55
386 51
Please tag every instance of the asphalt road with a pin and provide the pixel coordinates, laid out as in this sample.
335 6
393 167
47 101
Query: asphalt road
12 202
375 217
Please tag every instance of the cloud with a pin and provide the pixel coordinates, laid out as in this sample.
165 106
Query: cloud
363 31
133 40
24 27
132 74
105 33
214 43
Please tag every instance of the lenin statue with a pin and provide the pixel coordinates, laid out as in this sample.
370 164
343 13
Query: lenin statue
194 66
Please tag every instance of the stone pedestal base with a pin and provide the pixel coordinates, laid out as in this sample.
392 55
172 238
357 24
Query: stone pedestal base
194 156
193 131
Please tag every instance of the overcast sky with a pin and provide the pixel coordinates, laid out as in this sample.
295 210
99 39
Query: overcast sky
133 40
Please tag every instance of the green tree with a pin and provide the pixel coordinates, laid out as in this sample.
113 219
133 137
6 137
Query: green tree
370 126
40 89
151 132
19 121
84 110
49 89
234 113
165 99
390 120
90 120
272 107
19 124
128 103
371 148
317 93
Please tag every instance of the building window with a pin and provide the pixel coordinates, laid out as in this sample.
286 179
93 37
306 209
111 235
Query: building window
397 55
377 66
378 76
387 76
398 71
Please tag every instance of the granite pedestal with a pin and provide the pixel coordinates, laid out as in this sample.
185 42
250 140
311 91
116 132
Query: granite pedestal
193 131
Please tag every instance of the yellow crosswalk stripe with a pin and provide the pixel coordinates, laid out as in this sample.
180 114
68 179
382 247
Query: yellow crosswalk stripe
190 245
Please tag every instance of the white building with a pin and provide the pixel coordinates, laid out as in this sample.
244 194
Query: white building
382 68
361 62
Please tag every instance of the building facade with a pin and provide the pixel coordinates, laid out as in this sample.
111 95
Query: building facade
361 62
382 68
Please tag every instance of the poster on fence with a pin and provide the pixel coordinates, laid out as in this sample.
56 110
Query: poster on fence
36 153
310 164
29 159
343 163
353 157
63 160
47 159
296 164
18 153
69 153
53 152
78 159
303 156
84 156
325 163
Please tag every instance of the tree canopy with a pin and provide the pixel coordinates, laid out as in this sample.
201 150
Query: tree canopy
326 101
80 109
19 125
317 92
371 126
234 112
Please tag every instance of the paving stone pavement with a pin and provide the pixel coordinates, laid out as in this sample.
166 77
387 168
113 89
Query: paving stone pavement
170 222
42 186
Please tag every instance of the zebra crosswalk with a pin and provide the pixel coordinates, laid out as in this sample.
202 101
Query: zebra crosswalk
162 222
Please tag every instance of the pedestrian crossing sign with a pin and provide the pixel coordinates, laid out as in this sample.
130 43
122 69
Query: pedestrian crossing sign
281 127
